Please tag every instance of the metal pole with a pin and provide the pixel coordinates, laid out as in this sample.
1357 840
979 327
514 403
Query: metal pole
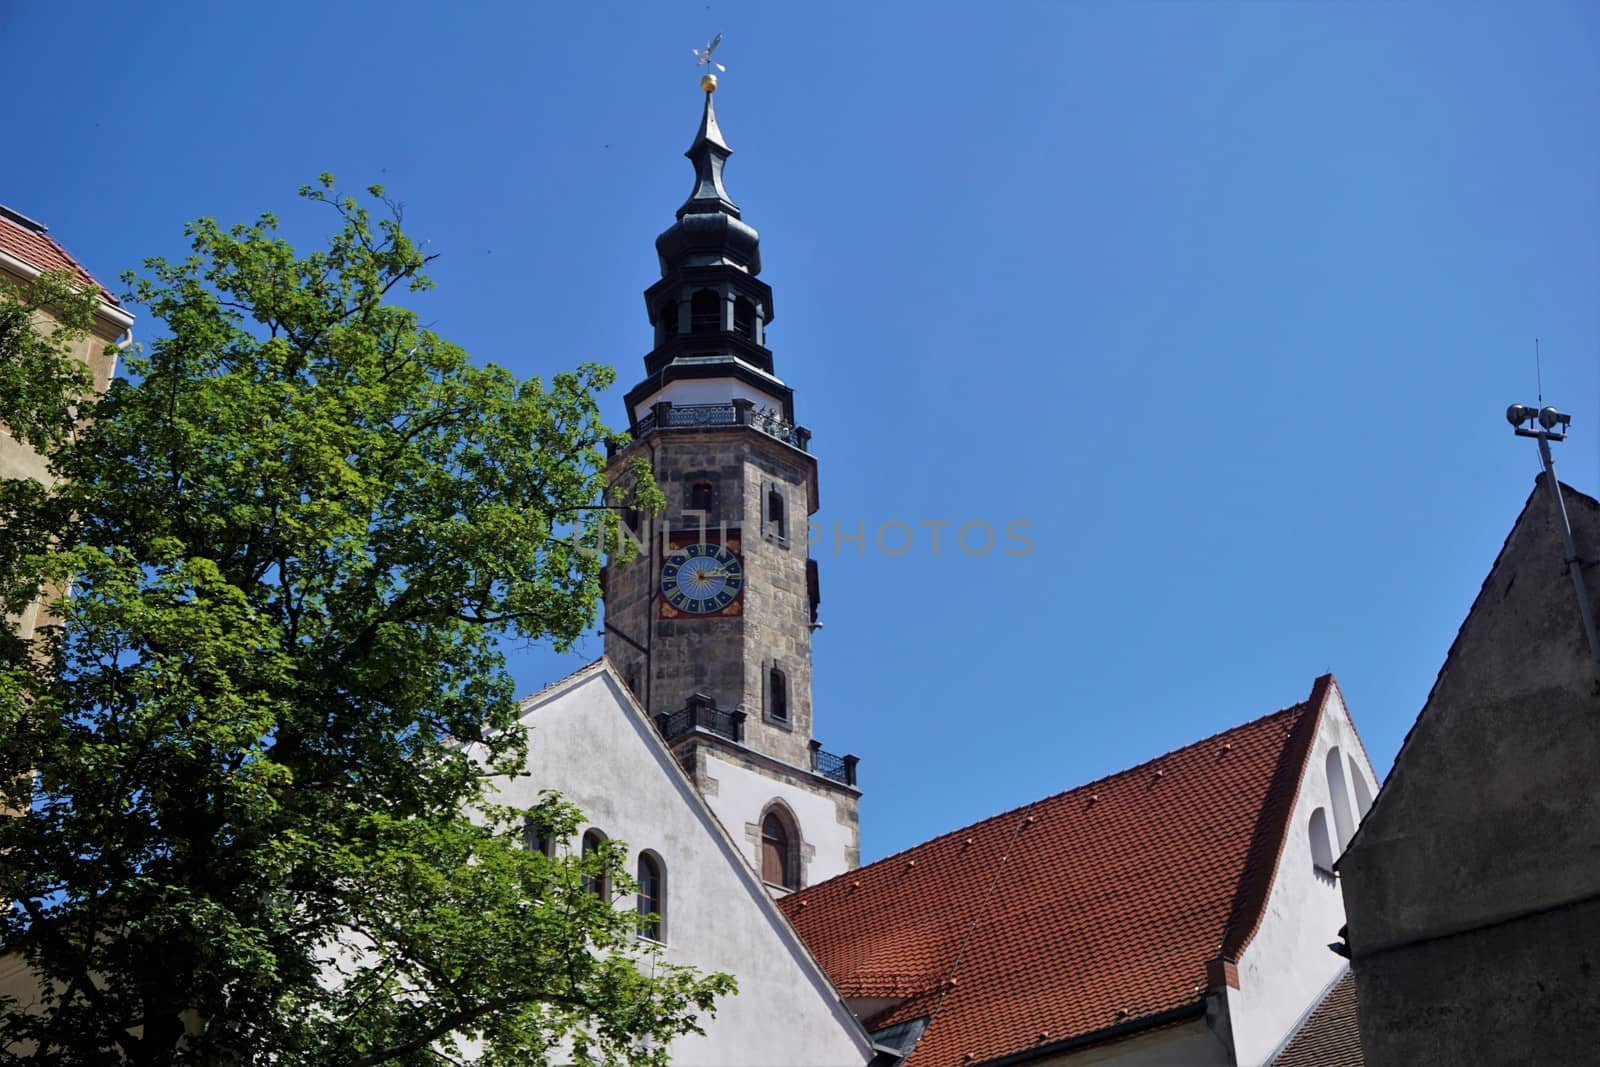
1574 565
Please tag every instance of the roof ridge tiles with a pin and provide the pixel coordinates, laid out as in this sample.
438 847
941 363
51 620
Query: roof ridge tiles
1272 825
1021 809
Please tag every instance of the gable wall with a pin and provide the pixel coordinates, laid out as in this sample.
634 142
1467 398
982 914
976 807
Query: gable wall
587 744
1287 965
1474 888
1490 811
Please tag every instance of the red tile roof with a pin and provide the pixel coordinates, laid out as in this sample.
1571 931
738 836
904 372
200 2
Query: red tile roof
1331 1034
1088 910
30 242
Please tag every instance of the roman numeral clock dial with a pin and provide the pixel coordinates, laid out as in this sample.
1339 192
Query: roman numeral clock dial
701 579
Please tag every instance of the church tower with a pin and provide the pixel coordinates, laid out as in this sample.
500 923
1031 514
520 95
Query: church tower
710 623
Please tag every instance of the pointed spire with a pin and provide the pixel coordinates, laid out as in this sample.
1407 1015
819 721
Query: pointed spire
709 131
708 154
709 230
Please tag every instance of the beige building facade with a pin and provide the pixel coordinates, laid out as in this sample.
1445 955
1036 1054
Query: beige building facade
26 251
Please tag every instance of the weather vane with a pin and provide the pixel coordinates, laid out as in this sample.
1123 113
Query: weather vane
702 58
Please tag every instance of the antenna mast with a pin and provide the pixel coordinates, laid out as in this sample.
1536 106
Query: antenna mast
1549 419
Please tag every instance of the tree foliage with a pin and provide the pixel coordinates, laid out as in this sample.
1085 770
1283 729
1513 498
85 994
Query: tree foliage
252 762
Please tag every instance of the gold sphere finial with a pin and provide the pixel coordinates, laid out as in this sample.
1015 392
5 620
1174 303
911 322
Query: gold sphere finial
702 58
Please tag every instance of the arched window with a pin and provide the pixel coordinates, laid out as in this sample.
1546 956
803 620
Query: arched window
705 311
777 519
594 883
1321 847
1363 794
700 497
777 695
652 897
778 866
1339 798
533 840
666 320
744 317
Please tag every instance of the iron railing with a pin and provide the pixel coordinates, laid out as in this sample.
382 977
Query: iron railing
841 769
701 714
741 412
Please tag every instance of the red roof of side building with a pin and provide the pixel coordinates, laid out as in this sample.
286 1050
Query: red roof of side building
31 242
1330 1035
1080 914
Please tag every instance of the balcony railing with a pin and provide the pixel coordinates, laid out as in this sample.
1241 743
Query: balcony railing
701 713
741 412
841 769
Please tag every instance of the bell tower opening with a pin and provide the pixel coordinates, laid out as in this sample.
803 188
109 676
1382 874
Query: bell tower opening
705 311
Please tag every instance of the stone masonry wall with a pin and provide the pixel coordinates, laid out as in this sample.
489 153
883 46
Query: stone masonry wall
727 657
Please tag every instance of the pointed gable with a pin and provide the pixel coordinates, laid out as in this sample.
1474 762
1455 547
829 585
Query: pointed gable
1083 913
1490 810
590 741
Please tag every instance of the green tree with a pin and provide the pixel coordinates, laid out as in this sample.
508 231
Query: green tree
254 761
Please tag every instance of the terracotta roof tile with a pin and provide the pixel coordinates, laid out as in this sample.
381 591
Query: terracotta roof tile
1330 1035
1087 910
30 242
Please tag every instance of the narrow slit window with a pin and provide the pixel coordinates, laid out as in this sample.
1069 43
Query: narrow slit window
1339 799
1363 793
1321 845
777 520
777 695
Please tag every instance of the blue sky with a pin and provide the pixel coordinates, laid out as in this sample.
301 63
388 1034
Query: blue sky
1224 300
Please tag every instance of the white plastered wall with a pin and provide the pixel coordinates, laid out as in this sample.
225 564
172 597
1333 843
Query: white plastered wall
592 744
1287 966
707 391
742 795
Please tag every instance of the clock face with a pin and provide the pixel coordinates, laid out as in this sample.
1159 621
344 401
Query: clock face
701 579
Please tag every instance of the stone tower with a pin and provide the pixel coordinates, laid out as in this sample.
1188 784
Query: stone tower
710 623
